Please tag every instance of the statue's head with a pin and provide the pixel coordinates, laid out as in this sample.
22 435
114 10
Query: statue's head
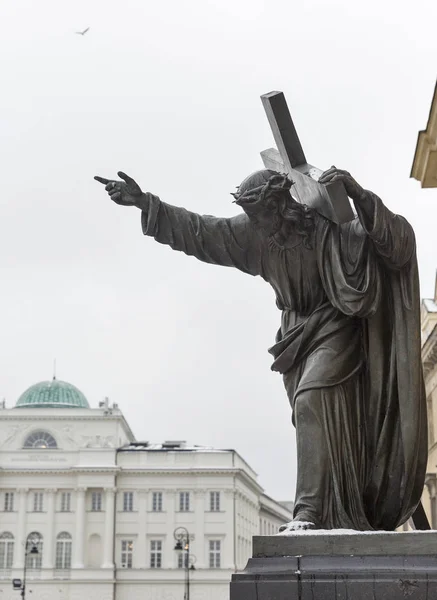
266 199
255 181
255 196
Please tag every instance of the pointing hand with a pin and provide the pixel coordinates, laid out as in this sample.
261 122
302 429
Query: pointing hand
126 193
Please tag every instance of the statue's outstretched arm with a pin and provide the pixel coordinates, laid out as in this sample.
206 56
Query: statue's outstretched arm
230 242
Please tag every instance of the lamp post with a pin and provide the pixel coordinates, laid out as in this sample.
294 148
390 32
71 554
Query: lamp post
182 537
31 547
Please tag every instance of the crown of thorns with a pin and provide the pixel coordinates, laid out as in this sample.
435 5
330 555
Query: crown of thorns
276 183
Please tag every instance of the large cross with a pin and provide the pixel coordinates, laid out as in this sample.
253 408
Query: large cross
331 199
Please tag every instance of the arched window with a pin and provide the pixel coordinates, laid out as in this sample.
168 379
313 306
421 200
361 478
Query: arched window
63 551
34 542
40 439
6 550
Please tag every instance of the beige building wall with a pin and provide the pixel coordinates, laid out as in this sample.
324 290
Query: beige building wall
424 167
429 360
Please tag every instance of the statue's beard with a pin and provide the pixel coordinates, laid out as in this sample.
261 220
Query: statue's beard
282 230
276 214
267 227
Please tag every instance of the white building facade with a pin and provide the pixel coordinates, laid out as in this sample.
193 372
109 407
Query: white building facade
105 507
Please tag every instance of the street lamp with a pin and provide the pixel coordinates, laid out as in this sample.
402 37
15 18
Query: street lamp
182 537
31 547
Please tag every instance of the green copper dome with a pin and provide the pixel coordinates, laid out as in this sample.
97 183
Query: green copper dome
52 394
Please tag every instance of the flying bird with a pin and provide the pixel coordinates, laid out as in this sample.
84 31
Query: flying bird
82 32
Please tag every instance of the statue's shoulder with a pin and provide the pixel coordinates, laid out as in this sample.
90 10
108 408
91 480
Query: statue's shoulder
241 221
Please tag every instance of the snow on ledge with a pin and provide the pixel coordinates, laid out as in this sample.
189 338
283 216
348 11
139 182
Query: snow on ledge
342 532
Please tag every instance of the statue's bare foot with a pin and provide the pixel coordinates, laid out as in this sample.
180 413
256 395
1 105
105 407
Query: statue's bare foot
300 523
296 526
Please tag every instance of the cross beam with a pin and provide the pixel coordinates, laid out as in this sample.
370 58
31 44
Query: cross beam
330 200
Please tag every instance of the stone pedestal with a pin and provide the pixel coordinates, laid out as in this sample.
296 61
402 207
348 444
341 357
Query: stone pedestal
340 565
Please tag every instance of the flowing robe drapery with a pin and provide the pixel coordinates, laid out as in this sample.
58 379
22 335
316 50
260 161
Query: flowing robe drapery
350 334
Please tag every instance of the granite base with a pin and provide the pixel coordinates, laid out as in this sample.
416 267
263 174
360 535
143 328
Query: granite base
340 565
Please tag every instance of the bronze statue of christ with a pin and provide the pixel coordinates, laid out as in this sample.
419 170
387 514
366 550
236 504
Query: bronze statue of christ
348 346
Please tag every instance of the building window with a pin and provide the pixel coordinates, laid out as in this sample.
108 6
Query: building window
96 501
214 501
127 550
65 501
183 560
128 501
38 501
6 550
40 439
9 502
184 501
214 554
63 551
155 554
157 501
34 561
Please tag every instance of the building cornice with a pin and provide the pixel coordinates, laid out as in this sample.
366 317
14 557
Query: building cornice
424 167
160 472
50 417
68 471
40 415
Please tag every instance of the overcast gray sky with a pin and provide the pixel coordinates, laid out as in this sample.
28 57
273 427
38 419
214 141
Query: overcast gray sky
168 91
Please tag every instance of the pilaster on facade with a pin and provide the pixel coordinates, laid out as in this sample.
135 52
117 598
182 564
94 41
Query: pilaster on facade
108 539
170 507
140 546
199 527
21 527
229 539
49 538
78 547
